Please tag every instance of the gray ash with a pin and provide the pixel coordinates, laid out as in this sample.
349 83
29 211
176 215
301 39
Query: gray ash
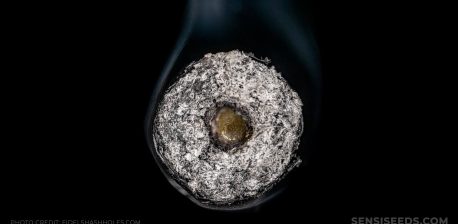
184 143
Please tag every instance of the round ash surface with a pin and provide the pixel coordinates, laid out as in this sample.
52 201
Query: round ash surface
183 137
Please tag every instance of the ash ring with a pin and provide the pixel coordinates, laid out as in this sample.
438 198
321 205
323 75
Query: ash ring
266 113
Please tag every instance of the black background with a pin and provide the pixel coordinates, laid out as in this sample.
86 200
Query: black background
83 81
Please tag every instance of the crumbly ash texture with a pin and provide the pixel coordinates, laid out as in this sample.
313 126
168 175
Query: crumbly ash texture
182 134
